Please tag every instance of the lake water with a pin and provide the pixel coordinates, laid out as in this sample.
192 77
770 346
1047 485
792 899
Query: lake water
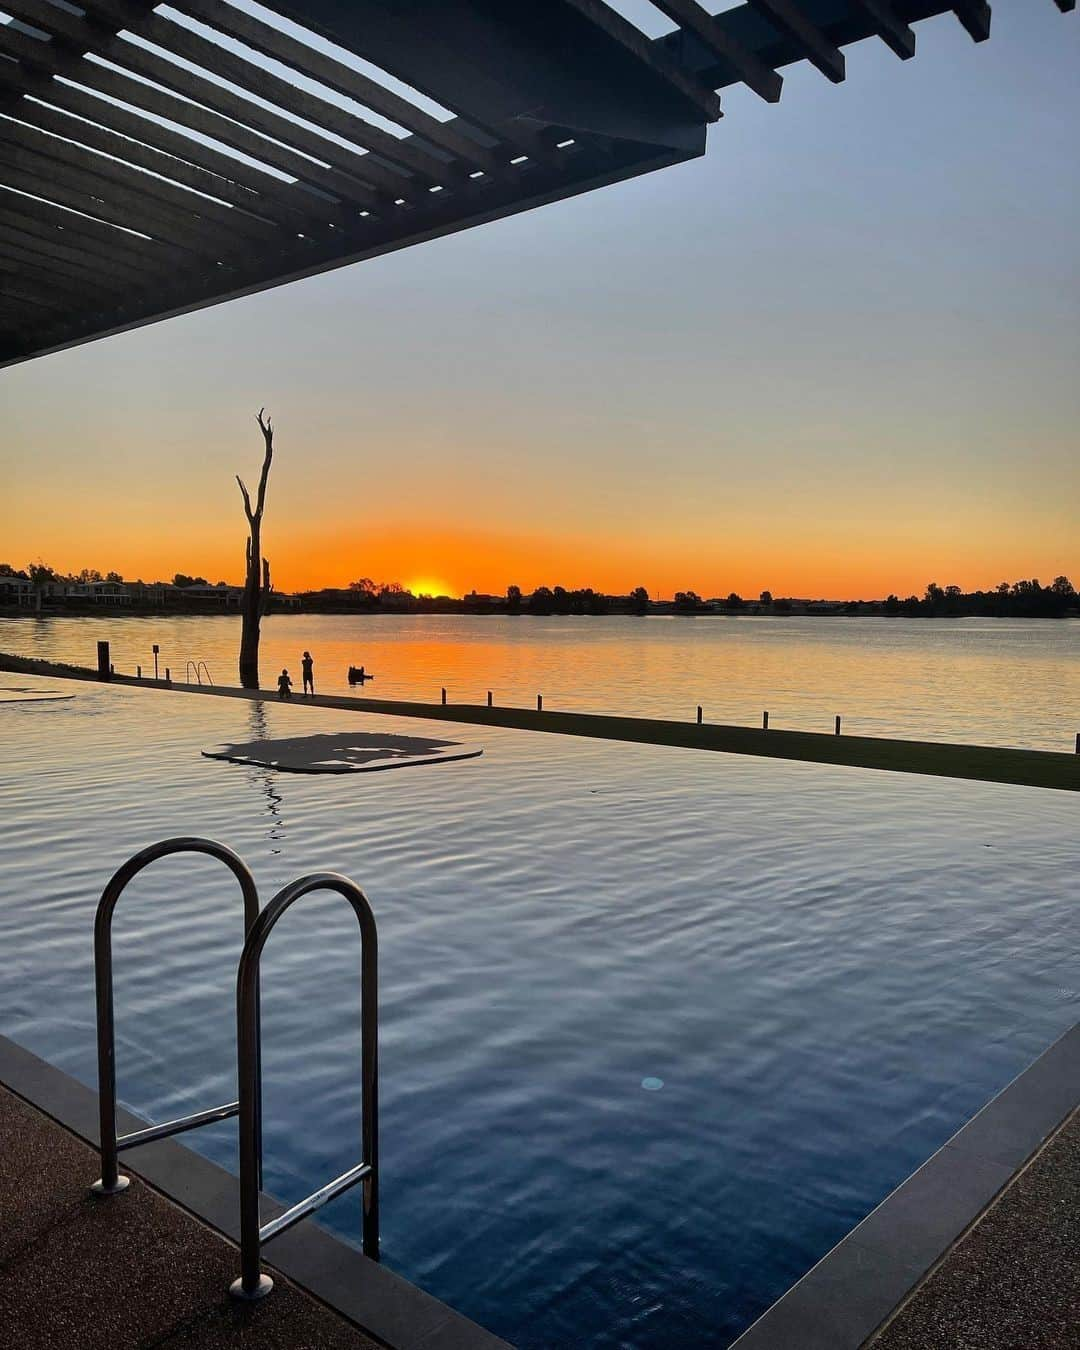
657 1027
988 681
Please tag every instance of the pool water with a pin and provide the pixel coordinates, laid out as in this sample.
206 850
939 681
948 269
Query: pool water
658 1027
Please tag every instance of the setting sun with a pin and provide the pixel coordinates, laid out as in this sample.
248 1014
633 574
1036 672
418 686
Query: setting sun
425 586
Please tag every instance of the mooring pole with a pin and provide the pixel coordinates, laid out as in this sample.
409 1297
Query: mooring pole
539 703
489 698
444 695
156 650
104 666
764 721
838 726
699 715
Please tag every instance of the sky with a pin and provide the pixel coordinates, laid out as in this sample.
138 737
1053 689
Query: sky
836 356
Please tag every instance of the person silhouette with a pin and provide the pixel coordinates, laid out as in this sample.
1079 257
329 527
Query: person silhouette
284 685
308 667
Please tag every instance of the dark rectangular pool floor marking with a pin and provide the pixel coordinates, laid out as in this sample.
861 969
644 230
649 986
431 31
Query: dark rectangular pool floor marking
344 752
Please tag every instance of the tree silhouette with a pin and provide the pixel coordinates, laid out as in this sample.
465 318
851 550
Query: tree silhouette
257 588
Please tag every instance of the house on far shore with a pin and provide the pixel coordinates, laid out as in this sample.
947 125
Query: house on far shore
16 591
86 592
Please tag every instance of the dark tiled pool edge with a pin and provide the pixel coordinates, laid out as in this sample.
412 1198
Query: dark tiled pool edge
851 1292
380 1302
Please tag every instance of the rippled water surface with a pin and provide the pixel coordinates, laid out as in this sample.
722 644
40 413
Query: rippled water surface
988 681
658 1027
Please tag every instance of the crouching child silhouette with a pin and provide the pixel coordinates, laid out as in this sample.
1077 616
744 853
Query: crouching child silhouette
284 685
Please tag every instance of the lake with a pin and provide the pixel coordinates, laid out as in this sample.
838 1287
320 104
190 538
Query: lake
657 1027
987 681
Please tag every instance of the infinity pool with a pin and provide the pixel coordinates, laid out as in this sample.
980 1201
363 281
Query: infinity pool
658 1027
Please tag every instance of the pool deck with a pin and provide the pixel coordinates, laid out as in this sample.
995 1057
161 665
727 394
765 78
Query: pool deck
978 1250
151 1267
1014 1280
982 763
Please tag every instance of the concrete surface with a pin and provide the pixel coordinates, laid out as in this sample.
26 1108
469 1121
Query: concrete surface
1013 1282
127 1272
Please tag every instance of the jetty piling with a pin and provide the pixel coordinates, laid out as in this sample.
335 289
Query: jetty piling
838 724
539 703
699 715
764 721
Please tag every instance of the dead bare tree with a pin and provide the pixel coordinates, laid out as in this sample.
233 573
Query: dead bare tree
257 586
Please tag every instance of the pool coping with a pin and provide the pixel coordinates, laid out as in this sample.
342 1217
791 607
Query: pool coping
853 1291
383 1304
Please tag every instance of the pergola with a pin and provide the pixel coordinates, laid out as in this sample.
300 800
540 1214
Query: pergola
158 158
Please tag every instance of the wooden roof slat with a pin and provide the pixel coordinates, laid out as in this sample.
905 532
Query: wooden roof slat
678 79
107 142
47 57
37 222
84 190
144 255
99 121
893 31
975 16
12 289
43 280
83 34
200 51
191 208
15 249
54 187
335 75
181 42
820 51
696 19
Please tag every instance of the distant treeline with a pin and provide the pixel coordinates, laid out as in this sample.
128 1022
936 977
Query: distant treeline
41 586
1018 599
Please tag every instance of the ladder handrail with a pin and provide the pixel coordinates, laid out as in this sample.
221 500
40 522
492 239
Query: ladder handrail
200 668
110 1181
252 1284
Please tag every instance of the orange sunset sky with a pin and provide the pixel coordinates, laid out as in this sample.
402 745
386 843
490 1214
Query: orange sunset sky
835 357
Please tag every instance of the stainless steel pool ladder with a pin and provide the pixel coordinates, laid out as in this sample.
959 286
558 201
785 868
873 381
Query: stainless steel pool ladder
200 669
252 1283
